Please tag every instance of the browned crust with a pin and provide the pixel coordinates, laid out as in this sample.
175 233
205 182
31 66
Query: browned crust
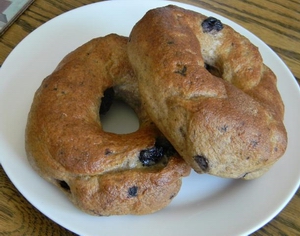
66 145
231 127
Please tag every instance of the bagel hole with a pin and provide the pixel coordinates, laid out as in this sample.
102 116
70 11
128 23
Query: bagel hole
120 118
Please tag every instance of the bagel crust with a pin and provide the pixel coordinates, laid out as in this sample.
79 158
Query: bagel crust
102 173
207 89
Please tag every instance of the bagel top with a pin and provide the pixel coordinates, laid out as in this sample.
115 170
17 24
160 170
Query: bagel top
207 89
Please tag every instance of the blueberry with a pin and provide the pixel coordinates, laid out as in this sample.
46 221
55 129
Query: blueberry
211 24
202 162
153 155
132 191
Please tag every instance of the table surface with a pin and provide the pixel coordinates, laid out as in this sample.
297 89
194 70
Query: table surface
276 22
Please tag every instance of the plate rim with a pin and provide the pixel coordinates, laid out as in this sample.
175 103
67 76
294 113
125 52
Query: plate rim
283 204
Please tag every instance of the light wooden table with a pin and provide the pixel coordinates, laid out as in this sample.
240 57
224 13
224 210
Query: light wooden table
276 22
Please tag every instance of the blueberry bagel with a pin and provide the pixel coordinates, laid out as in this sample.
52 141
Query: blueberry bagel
209 92
102 173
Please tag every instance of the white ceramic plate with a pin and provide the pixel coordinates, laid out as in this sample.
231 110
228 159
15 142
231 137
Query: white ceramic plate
206 205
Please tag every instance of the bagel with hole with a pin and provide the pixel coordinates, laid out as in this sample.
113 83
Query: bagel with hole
207 89
102 173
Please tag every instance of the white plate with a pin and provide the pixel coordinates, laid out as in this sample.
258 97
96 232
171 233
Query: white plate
206 205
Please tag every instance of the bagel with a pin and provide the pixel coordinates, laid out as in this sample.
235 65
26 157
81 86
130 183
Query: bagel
102 173
207 89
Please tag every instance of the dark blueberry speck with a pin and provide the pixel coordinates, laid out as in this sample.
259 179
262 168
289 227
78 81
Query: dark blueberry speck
132 192
224 128
211 24
108 152
202 162
182 71
254 143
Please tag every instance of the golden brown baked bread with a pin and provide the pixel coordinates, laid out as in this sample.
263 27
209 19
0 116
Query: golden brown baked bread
102 173
230 125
